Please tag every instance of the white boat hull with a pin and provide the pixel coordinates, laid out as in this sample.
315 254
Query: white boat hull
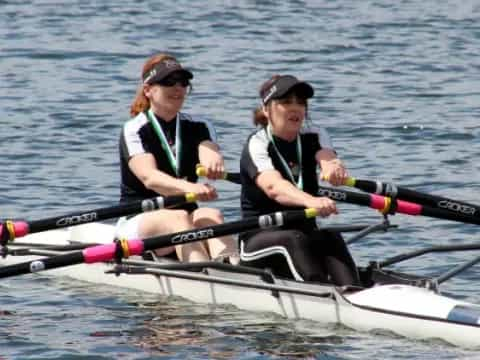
406 310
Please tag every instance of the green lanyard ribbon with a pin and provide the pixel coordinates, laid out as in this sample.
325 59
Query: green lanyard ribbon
298 183
172 159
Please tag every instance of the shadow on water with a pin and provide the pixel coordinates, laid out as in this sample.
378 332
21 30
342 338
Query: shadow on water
222 332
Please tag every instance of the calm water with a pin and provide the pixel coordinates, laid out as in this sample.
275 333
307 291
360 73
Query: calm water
397 84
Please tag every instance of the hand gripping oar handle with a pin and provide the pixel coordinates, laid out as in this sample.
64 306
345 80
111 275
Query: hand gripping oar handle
391 190
126 248
13 229
232 177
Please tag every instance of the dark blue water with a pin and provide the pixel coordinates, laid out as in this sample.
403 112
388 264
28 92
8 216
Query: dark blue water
397 85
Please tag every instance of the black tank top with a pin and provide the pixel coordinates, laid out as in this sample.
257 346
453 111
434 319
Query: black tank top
259 155
138 137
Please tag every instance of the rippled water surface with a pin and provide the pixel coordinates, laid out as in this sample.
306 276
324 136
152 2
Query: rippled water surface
397 85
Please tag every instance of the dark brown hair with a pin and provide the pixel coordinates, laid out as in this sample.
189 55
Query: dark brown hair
141 102
259 117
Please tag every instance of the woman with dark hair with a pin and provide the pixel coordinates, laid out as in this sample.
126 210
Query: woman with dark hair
278 169
159 150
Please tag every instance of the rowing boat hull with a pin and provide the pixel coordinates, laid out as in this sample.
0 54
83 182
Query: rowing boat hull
402 309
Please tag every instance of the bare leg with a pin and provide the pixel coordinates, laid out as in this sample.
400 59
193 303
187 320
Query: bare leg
168 221
217 247
193 252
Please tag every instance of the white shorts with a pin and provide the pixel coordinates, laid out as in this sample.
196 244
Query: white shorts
128 228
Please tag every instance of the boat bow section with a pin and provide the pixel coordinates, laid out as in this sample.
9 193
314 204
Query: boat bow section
414 312
405 299
466 314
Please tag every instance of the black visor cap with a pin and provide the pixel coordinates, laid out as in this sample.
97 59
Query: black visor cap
164 69
285 85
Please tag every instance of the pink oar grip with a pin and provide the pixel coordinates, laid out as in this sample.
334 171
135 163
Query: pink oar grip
20 227
106 252
405 207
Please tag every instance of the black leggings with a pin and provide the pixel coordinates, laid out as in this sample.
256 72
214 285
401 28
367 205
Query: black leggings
316 255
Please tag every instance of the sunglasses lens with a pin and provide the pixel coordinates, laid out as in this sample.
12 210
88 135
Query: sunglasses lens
171 81
293 98
184 82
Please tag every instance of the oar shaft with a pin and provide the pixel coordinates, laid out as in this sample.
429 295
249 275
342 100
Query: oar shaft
22 228
109 252
136 247
389 205
382 203
233 177
435 201
43 264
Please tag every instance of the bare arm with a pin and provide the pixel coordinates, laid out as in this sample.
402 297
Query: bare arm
332 167
145 169
285 193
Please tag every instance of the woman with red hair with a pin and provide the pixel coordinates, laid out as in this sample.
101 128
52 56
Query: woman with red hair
160 147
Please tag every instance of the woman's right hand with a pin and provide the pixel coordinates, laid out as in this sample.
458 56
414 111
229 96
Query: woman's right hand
324 206
204 192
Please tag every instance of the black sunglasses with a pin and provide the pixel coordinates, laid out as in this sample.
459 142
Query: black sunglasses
292 97
170 81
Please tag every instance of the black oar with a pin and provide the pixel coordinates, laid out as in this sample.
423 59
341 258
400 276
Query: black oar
402 193
385 204
125 248
12 229
393 191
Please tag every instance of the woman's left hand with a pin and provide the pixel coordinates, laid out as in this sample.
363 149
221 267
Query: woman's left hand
212 160
334 172
214 167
